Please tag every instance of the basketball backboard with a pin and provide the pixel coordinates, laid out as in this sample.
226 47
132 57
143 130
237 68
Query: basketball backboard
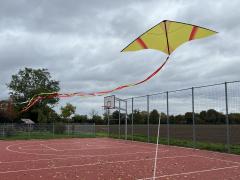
109 102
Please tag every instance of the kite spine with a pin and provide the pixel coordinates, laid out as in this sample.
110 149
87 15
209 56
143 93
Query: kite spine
165 26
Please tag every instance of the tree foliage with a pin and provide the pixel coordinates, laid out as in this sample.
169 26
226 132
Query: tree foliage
67 110
29 82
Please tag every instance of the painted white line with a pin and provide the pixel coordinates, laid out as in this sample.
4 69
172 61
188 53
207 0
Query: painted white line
217 159
15 151
187 148
78 156
48 147
192 172
89 164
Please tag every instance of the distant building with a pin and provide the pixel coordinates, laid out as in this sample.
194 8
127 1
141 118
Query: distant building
6 105
27 121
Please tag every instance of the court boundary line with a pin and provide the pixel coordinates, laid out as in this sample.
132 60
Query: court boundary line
15 151
191 172
223 160
48 147
89 164
78 156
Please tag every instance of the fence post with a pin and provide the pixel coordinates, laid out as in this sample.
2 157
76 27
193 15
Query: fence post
126 122
53 126
68 127
227 118
3 130
193 120
132 119
119 119
148 117
28 125
108 121
168 130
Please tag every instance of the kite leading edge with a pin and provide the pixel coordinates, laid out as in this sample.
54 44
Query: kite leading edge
166 36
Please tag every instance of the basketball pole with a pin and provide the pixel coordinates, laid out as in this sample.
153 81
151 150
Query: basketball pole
156 152
108 121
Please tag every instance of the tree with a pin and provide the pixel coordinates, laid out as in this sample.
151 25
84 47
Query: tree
80 118
137 117
203 115
67 111
163 118
180 119
97 119
93 113
154 117
189 117
29 82
115 114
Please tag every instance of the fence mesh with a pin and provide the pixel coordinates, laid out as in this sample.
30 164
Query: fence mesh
210 106
205 116
46 130
180 114
233 90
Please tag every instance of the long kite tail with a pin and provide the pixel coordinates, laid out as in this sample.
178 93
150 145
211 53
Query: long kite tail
42 96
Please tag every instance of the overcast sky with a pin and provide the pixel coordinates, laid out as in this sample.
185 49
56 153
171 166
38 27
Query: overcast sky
79 42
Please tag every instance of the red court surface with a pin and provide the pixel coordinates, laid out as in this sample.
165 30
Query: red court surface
103 158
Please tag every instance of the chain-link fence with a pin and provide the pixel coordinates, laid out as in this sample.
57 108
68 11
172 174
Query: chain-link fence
46 130
196 117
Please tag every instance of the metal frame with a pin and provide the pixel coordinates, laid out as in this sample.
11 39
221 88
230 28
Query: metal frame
119 110
106 106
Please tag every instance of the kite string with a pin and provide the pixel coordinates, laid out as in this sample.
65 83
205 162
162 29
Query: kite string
156 151
37 98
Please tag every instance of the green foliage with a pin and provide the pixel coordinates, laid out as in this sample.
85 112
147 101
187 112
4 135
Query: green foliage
59 128
29 82
115 115
67 110
97 119
210 116
154 117
80 118
138 117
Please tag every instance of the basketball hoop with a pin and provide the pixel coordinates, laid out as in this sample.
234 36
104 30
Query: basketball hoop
109 102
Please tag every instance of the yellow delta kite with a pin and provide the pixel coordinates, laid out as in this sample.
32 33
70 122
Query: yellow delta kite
165 36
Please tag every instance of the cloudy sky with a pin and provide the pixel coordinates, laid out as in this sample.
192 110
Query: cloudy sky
79 42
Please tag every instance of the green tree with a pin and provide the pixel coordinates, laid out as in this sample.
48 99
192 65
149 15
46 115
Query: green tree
29 82
80 118
97 119
163 118
153 117
115 114
67 111
180 119
203 116
137 117
188 117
